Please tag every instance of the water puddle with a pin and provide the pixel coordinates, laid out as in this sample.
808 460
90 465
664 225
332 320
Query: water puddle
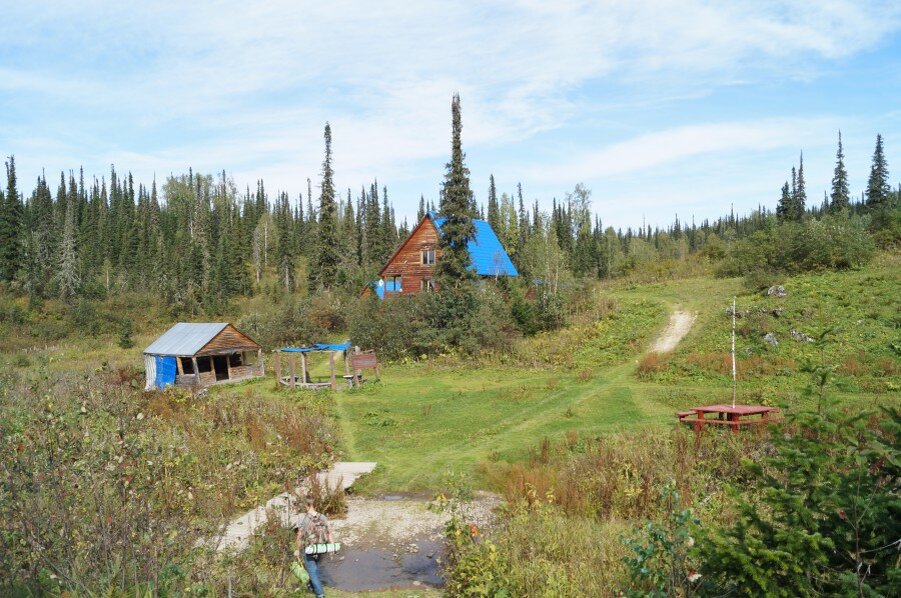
358 570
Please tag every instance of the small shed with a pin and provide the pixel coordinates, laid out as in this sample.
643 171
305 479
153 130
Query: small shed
202 354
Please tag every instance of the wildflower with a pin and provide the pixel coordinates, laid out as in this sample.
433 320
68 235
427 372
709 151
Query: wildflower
140 416
695 576
690 542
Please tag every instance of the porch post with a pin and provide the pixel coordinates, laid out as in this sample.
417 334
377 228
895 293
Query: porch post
331 365
292 361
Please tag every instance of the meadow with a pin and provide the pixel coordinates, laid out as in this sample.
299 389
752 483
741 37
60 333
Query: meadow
513 422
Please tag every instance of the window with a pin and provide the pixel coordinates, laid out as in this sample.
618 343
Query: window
187 366
204 364
426 285
428 257
396 282
234 360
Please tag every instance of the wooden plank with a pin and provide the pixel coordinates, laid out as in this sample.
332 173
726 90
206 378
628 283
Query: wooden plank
229 339
278 366
196 371
292 361
303 365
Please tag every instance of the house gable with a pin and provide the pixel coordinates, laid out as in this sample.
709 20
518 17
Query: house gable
228 340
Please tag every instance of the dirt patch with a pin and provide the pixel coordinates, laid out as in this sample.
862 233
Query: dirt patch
392 521
679 325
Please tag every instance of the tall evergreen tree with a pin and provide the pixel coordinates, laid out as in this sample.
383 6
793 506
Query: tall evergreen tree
878 189
799 200
493 215
785 205
327 255
840 195
68 278
456 207
10 225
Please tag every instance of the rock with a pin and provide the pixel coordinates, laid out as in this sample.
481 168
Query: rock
776 290
777 312
769 338
800 336
729 312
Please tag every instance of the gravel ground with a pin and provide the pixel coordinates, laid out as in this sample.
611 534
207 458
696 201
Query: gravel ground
377 522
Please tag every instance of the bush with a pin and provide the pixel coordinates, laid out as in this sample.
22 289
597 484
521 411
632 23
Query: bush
833 242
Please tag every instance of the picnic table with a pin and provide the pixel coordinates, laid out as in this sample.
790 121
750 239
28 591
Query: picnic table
727 415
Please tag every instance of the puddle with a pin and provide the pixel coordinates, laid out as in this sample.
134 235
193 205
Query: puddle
368 569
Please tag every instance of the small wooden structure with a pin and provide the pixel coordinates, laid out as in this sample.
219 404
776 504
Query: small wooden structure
355 362
733 416
198 355
359 361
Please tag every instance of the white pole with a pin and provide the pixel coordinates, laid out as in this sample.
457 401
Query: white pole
733 352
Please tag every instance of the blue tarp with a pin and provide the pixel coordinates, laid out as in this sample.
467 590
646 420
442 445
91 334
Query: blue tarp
165 371
317 347
381 287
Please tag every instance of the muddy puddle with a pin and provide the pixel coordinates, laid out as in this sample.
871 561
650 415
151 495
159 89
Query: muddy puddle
393 541
360 570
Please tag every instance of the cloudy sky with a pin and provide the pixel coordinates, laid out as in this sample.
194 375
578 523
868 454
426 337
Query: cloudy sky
659 107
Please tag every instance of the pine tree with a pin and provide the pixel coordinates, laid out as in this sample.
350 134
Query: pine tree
878 189
420 213
285 259
68 278
784 207
840 194
799 199
327 255
456 207
10 225
493 215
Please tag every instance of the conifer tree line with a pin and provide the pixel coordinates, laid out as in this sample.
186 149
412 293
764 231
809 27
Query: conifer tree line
197 241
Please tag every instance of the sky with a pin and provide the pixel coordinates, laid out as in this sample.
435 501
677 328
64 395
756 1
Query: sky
658 107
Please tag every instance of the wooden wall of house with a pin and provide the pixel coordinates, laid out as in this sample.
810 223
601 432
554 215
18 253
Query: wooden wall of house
228 341
407 263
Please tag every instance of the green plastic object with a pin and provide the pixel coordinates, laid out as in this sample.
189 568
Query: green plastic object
323 548
299 572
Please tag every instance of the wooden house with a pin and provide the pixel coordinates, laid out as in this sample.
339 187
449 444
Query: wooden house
202 354
411 268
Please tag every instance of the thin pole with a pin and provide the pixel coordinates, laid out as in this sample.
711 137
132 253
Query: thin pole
733 352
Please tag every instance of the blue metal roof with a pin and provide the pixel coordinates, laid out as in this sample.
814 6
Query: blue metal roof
485 250
185 338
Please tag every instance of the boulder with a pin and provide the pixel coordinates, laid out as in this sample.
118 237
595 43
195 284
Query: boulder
769 338
800 336
777 290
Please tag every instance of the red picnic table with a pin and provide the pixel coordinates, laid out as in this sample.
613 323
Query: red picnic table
728 415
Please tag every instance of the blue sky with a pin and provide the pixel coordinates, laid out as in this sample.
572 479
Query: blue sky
658 107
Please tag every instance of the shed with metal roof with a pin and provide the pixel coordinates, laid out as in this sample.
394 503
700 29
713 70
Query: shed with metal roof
201 354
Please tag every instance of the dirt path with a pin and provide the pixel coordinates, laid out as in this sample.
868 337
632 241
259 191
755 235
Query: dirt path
679 325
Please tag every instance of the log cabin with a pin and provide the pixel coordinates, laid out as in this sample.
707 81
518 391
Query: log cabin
198 355
411 269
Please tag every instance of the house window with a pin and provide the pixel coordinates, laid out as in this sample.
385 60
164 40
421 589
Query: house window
426 285
204 364
187 366
428 257
234 360
397 286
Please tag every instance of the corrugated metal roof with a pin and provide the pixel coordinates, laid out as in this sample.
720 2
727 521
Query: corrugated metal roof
185 338
485 250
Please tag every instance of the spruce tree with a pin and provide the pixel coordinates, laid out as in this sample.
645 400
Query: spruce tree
68 278
10 225
327 255
840 194
456 207
878 189
784 207
493 215
799 200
